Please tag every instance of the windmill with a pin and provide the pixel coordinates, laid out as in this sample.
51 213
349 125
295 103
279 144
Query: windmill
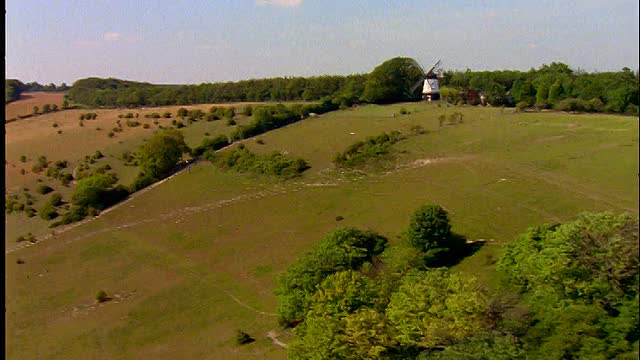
429 79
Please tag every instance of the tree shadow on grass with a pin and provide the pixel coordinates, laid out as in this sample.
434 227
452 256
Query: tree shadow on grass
460 248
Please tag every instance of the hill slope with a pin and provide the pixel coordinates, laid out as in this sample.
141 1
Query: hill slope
193 260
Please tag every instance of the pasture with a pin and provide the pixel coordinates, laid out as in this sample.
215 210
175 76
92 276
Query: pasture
24 106
191 261
60 136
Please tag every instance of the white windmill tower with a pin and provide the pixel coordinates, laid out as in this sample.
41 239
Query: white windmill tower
430 81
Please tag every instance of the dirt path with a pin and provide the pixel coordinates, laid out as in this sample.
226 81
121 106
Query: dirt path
274 337
179 214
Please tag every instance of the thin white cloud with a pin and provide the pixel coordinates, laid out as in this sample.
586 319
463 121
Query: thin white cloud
279 3
112 36
86 43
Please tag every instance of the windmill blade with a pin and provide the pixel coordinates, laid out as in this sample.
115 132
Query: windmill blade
415 63
434 66
415 86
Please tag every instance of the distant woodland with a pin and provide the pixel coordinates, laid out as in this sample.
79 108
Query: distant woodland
554 86
13 88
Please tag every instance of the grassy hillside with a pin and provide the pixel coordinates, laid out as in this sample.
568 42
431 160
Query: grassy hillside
59 136
193 260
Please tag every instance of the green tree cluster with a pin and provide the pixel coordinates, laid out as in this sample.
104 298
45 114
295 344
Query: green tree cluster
243 160
580 283
572 293
391 82
549 86
341 250
158 157
121 93
361 151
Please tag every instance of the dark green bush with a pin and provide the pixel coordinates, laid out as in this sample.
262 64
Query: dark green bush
340 250
243 338
43 189
102 296
243 160
212 144
361 151
48 212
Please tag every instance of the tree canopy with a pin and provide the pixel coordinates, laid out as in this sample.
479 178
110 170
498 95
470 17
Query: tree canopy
161 153
571 292
391 81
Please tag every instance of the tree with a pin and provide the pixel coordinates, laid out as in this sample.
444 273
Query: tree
35 110
436 308
580 282
91 191
429 228
342 249
391 81
46 108
556 91
182 112
342 323
161 153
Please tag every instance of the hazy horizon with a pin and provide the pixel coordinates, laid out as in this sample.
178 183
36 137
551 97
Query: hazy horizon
163 42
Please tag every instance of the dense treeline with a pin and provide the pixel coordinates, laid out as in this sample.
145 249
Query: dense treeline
122 93
570 292
551 86
13 88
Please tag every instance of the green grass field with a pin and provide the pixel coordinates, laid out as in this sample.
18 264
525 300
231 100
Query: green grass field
195 259
37 136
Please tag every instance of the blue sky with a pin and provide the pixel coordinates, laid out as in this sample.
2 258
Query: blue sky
197 41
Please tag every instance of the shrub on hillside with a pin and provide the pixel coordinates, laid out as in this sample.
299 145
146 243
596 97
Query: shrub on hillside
243 160
141 181
55 199
243 338
43 189
359 152
97 192
572 104
211 117
48 212
522 105
102 296
211 144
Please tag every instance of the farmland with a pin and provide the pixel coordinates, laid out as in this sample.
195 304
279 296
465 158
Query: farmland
24 106
194 259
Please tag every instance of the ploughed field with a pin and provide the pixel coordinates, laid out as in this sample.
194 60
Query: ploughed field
193 260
